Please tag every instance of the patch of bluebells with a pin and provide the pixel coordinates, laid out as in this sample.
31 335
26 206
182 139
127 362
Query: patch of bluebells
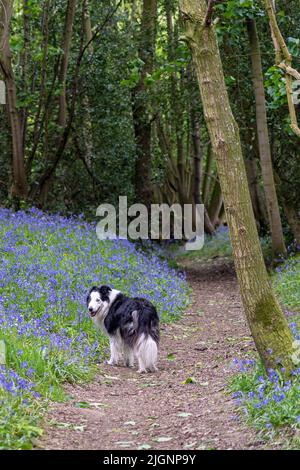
48 263
243 365
14 384
286 283
295 330
292 266
269 401
16 394
293 248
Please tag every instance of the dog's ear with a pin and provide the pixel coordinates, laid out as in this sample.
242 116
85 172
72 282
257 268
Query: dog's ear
104 293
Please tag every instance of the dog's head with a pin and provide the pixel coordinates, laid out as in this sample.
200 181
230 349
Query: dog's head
98 299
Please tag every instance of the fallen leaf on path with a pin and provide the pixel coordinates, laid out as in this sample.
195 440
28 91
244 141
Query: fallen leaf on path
82 404
162 439
189 380
79 428
144 447
184 415
190 445
62 425
100 405
125 443
171 357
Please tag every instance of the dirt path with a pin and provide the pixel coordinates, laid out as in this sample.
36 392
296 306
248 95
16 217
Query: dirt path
159 411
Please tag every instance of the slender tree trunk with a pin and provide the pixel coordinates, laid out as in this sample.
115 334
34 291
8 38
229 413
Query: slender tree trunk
256 192
87 25
198 155
142 123
42 114
207 176
216 203
24 65
87 128
67 39
278 244
268 325
19 186
175 85
293 218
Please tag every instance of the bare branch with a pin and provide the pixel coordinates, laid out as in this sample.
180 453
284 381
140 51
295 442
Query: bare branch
283 61
210 11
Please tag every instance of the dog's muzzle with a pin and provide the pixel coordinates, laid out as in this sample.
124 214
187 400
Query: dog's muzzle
92 313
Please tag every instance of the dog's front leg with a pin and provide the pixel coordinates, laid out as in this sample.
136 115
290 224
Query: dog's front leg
115 354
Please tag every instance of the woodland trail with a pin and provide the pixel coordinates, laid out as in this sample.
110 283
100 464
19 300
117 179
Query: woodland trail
159 411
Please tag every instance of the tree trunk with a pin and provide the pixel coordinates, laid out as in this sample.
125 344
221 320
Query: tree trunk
24 66
19 186
62 117
293 218
198 155
42 114
87 128
216 203
278 244
207 176
267 323
142 123
175 85
256 192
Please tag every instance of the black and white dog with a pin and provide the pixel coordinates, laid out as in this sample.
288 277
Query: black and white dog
132 325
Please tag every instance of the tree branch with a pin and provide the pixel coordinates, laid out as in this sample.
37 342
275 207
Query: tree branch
210 11
283 61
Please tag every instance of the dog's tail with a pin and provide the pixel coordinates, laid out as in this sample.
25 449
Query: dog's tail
146 352
146 323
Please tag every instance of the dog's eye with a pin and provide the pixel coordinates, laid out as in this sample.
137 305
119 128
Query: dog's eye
97 300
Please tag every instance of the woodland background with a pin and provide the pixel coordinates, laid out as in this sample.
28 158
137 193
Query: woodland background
103 101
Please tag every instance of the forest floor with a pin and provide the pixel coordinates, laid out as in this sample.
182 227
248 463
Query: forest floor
124 410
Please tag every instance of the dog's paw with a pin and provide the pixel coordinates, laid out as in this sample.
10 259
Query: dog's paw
129 362
142 371
111 363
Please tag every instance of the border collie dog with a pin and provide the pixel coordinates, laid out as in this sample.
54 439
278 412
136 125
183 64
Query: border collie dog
132 325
